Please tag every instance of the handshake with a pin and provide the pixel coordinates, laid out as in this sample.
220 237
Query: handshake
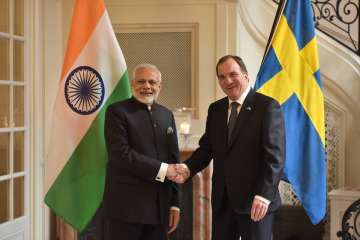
178 173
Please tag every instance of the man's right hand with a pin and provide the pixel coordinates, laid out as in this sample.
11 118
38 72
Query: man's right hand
171 172
178 173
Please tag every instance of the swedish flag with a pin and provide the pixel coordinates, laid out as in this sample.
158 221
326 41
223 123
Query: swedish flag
290 73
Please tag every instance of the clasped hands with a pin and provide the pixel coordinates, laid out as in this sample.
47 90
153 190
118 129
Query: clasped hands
178 173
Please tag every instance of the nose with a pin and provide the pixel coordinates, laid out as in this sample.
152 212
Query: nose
228 80
147 85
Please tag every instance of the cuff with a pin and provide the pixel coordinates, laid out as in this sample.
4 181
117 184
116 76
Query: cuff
266 201
162 172
175 208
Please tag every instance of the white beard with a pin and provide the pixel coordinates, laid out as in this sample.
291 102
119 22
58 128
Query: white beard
145 99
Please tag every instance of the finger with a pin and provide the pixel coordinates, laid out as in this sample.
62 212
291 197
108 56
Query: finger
172 178
176 219
179 169
263 212
171 224
172 228
252 212
179 179
182 177
175 178
187 173
256 211
171 221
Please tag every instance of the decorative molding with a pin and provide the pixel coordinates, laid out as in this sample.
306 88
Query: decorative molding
166 2
227 36
249 23
156 27
339 100
336 132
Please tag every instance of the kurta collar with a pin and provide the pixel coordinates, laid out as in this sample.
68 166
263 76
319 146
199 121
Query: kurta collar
143 105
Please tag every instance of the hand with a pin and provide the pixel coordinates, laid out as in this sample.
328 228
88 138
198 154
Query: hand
174 219
178 173
171 172
258 209
183 173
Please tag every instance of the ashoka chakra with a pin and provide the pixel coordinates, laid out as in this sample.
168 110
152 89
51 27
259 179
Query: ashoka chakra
84 90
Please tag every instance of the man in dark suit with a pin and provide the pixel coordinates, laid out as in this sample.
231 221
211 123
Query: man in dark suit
139 202
244 136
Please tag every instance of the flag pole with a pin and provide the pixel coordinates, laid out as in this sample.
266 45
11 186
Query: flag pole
279 12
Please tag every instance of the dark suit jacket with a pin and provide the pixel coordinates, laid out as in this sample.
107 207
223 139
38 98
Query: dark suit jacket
252 162
137 141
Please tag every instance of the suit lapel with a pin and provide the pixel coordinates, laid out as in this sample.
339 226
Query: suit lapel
223 119
244 114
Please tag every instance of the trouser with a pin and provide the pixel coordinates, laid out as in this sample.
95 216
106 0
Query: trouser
229 225
118 230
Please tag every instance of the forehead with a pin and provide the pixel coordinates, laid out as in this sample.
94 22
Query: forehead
230 65
146 73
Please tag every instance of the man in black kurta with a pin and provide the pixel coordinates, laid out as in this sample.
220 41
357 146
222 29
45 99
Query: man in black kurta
140 202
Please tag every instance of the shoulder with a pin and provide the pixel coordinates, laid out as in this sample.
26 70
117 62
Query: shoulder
264 99
162 109
219 104
119 105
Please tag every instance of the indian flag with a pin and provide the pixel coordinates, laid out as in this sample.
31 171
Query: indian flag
94 75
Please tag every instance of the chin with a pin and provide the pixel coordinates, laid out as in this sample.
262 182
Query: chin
146 100
233 97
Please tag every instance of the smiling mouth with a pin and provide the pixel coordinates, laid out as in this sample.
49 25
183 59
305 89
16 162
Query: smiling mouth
146 94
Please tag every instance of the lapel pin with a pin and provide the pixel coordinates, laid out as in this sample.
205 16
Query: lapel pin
169 130
248 108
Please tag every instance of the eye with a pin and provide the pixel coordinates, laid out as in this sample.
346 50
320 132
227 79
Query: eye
152 82
221 77
141 81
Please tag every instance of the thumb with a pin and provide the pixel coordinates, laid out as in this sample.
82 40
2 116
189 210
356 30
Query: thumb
171 220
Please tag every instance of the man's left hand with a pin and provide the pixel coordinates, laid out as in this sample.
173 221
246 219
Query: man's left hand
174 219
258 210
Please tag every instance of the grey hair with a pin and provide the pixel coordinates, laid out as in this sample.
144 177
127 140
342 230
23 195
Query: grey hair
146 65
